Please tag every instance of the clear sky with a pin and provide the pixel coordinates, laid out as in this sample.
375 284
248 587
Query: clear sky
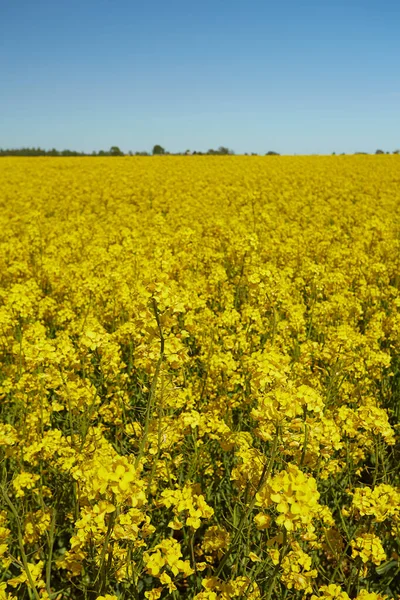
294 76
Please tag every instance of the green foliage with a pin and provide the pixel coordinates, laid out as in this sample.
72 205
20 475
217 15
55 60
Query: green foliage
157 150
115 151
222 151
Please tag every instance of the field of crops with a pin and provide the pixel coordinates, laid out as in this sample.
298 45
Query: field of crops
200 378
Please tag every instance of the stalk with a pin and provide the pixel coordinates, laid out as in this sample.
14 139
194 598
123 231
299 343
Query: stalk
264 476
153 386
21 543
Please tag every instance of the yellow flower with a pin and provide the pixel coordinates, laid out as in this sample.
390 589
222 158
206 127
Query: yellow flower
331 592
24 481
369 547
35 571
215 540
365 595
262 521
166 580
253 557
382 502
154 594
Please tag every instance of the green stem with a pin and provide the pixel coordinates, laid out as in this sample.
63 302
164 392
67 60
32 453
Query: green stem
102 572
264 476
285 547
153 387
21 543
303 453
49 559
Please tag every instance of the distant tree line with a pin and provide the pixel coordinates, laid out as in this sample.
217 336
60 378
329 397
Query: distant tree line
378 152
157 151
113 151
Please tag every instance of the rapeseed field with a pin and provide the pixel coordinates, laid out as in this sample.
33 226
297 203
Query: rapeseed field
200 378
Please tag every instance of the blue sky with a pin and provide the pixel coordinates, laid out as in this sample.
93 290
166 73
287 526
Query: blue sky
312 76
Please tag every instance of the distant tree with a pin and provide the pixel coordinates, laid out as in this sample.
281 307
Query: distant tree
396 151
272 153
157 150
115 151
222 151
333 153
379 152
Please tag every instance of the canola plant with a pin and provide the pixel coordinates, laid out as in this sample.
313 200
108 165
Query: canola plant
200 378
